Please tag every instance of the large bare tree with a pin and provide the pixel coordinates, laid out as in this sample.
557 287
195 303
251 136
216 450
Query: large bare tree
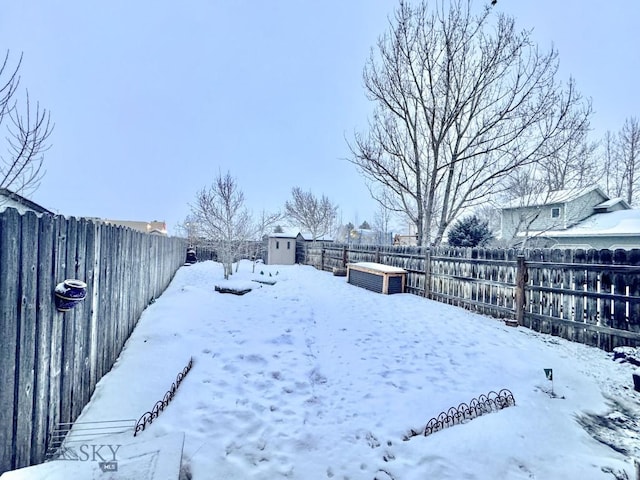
223 218
461 100
311 213
27 128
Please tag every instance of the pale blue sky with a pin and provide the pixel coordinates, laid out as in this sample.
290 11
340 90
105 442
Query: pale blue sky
152 99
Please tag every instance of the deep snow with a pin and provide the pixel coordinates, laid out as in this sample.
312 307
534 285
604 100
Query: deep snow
314 378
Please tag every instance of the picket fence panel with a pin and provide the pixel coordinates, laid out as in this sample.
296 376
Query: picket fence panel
586 296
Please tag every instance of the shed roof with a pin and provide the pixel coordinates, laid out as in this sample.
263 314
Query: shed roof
283 235
293 233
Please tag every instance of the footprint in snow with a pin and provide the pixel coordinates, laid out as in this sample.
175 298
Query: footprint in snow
372 441
253 358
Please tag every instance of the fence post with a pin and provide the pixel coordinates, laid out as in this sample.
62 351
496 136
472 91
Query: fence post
344 256
377 257
427 272
521 275
322 258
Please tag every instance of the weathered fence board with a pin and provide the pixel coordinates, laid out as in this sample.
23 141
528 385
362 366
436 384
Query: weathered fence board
44 319
55 372
10 232
50 362
26 337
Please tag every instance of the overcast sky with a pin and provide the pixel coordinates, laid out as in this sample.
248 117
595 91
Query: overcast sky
152 99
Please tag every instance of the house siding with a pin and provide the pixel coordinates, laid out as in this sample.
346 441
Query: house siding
582 207
538 218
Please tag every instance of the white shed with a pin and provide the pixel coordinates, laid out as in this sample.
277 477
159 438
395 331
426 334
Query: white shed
281 249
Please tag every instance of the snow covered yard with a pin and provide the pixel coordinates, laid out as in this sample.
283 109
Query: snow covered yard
313 378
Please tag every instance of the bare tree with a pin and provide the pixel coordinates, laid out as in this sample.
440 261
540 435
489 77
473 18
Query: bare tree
314 214
27 132
461 102
629 159
573 166
381 221
223 218
189 228
620 161
610 173
266 222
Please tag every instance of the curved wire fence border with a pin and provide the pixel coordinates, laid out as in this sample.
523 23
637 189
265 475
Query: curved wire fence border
147 418
492 402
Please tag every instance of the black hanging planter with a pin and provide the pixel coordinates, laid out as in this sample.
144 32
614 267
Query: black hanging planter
69 293
191 256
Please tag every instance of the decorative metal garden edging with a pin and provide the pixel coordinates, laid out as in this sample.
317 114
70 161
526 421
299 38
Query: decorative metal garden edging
492 402
148 417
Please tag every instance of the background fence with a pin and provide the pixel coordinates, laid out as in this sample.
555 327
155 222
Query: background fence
587 296
50 361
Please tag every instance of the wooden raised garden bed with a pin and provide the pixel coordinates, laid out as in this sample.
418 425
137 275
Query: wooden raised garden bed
377 277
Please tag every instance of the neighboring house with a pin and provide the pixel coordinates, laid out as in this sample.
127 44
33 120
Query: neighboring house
9 199
579 218
527 217
155 227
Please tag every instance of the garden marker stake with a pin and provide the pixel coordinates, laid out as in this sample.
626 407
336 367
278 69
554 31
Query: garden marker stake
549 373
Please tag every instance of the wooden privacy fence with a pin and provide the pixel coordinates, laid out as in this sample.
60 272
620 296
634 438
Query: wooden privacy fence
587 296
50 361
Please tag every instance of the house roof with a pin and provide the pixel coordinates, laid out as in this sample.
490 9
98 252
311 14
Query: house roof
554 197
28 204
622 223
146 227
612 203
